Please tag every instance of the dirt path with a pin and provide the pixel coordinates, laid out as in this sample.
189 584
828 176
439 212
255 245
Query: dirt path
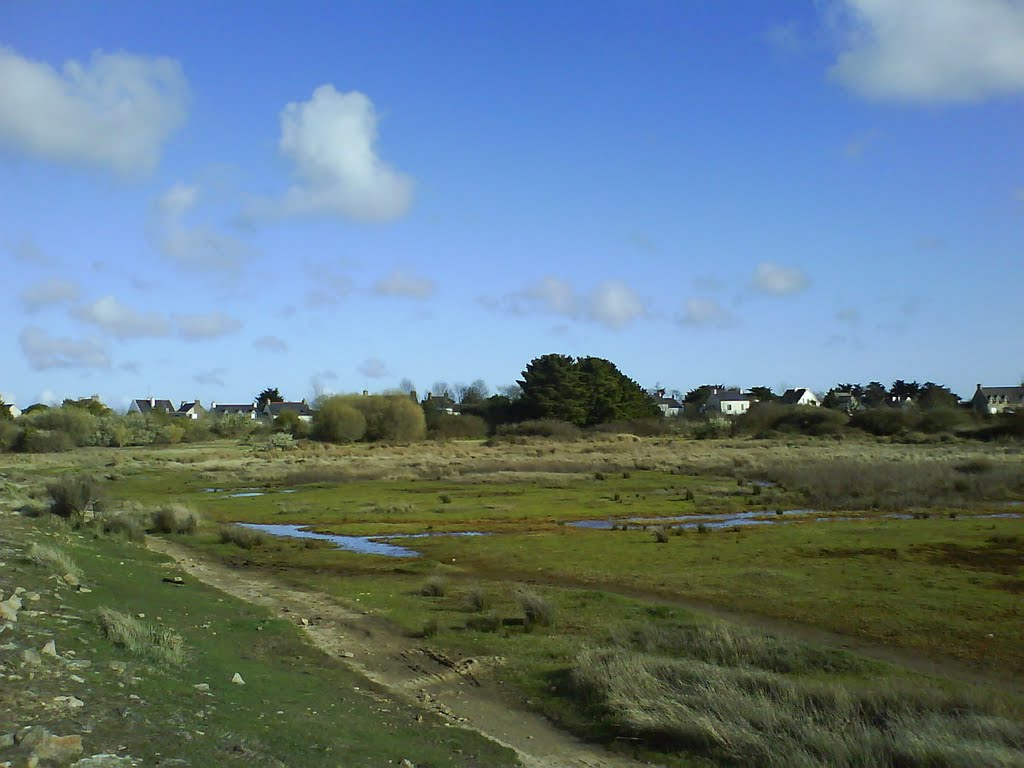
459 690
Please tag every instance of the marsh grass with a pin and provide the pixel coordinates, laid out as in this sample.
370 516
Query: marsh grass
124 525
435 586
72 496
742 698
898 485
478 599
53 559
159 644
175 518
242 537
537 610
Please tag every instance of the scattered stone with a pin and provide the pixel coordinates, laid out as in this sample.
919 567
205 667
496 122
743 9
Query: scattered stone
6 740
30 735
203 687
176 581
32 597
31 657
140 615
19 590
119 666
346 654
77 679
84 590
60 749
71 580
237 679
70 702
305 621
50 649
407 764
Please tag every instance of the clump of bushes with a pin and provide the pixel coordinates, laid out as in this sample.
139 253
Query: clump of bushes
537 611
550 428
125 526
661 535
478 600
72 496
435 586
175 518
242 537
488 622
160 644
445 426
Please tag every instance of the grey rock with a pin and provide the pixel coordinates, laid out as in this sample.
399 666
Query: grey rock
50 649
31 657
105 761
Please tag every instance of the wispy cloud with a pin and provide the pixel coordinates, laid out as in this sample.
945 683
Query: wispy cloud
374 368
189 245
205 326
44 351
402 283
705 312
612 303
778 280
211 378
122 322
115 111
931 50
47 292
271 344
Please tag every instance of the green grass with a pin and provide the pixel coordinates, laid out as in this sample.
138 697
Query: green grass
298 706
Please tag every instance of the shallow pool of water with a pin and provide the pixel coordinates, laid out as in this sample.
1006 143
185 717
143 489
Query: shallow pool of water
367 545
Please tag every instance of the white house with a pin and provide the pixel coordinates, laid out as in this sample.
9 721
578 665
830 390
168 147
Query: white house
801 396
12 409
998 399
301 409
727 402
669 406
246 409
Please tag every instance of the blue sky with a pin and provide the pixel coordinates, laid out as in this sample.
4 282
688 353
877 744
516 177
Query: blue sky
205 199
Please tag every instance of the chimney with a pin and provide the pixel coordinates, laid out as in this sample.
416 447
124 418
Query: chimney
213 403
366 392
152 402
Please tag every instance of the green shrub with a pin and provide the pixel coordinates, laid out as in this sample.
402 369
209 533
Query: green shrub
551 428
72 496
175 518
125 526
32 440
444 426
487 622
478 599
338 421
883 422
390 418
435 586
661 535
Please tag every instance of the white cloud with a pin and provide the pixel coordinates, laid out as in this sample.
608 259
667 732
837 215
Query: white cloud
44 351
271 344
331 140
402 283
932 50
193 246
114 111
374 368
318 381
119 321
705 312
331 287
612 303
777 280
615 304
206 326
50 291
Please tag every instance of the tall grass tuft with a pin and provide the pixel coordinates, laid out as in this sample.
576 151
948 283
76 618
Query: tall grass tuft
72 496
478 600
435 586
138 638
54 560
242 537
537 611
175 518
124 525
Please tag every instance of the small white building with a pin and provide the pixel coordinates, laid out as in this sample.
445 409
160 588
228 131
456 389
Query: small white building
727 402
190 409
668 406
801 396
11 409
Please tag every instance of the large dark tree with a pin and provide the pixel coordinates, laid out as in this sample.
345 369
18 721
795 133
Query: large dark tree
874 394
903 389
587 391
932 395
763 394
268 395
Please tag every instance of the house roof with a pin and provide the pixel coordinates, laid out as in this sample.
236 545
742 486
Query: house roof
301 408
1008 392
729 395
792 396
148 404
670 402
225 408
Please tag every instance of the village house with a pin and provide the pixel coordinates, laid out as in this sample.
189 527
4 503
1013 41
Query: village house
801 396
998 399
669 406
190 409
300 409
727 402
151 405
12 410
245 409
